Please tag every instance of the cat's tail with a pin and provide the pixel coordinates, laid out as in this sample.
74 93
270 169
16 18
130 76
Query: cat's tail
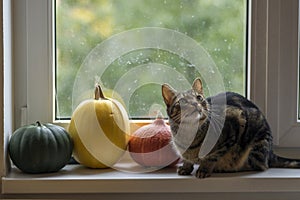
276 161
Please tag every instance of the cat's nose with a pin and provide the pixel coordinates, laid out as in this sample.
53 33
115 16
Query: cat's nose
197 105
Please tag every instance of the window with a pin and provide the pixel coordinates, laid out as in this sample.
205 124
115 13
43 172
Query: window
132 47
272 85
269 48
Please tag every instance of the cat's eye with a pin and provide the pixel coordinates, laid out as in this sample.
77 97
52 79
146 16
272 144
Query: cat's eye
182 102
199 98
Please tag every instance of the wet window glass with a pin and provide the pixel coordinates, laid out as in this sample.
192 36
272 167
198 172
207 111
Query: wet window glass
131 47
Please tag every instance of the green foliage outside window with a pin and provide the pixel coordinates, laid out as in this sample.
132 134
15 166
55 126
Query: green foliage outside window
219 26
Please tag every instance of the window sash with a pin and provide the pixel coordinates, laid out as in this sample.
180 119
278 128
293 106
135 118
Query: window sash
274 67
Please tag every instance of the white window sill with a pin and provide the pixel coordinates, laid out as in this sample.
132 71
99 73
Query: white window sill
76 179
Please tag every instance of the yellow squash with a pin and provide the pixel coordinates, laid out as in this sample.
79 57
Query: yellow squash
100 131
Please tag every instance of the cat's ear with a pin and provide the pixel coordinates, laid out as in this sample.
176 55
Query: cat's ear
197 86
168 94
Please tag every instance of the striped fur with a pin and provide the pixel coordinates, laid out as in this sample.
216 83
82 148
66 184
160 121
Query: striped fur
245 141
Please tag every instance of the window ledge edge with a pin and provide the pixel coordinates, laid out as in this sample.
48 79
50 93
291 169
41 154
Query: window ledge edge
80 180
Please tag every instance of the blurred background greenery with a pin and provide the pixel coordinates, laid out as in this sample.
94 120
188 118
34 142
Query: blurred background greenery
219 26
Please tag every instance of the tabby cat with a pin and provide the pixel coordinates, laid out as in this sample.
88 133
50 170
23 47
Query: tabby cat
244 137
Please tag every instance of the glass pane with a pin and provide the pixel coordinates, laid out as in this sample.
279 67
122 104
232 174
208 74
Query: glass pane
131 47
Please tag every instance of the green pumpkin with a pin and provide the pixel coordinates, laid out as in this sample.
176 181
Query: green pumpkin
40 148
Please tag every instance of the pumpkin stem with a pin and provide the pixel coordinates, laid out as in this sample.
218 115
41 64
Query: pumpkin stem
159 115
38 123
98 93
159 119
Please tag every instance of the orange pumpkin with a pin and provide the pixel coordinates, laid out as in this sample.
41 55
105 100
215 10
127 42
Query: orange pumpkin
150 145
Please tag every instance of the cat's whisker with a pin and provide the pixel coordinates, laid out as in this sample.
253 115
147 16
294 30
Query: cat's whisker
217 120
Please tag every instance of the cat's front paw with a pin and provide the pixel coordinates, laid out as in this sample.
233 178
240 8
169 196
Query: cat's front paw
203 173
184 170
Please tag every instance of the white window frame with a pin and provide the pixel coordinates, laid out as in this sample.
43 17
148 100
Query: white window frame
274 66
273 53
34 56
